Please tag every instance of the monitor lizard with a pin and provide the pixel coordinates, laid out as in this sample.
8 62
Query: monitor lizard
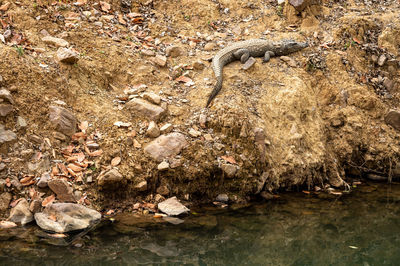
244 49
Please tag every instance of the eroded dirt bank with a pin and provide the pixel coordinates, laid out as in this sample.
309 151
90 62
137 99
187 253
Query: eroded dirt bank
310 119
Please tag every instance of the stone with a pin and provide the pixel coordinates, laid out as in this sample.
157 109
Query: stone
111 179
7 137
5 109
266 195
35 206
288 60
174 163
66 217
21 123
7 225
229 170
166 128
209 46
300 5
63 120
382 60
222 198
166 146
62 189
198 65
67 55
249 63
153 131
203 120
163 166
44 180
147 52
142 186
5 199
392 118
172 206
145 109
6 96
152 97
21 213
163 190
174 51
55 41
194 133
160 60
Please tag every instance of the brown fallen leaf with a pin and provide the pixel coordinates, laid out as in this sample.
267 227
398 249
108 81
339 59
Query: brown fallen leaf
75 168
26 179
63 168
116 161
53 217
121 19
48 200
134 15
5 6
71 172
229 159
138 20
55 171
78 136
110 212
184 79
96 153
80 2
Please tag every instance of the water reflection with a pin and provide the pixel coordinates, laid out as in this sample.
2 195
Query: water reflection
357 229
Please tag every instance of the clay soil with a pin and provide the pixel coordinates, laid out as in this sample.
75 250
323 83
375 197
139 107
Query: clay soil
321 114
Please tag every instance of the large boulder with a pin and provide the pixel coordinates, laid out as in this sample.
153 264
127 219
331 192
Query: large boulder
166 146
66 217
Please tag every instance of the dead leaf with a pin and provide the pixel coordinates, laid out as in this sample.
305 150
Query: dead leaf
137 20
96 153
26 179
229 159
121 19
80 2
134 15
110 212
116 161
48 200
105 6
75 168
71 172
306 192
53 217
78 136
5 6
63 168
356 40
84 126
55 171
15 202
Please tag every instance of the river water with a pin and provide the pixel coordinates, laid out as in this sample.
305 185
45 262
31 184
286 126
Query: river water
360 228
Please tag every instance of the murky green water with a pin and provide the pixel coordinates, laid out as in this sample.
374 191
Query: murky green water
362 228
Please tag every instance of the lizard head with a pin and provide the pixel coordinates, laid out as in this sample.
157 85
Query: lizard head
291 46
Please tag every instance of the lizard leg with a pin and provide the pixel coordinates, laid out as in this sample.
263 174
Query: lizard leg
242 54
267 56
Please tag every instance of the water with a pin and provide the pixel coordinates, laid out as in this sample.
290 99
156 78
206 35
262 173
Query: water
362 228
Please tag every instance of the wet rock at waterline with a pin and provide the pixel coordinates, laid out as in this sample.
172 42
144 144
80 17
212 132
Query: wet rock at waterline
172 207
166 146
66 217
20 213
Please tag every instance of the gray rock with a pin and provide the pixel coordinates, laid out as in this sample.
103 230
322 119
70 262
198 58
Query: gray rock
229 170
174 51
382 60
209 46
163 166
153 131
222 198
67 55
6 96
152 97
166 146
63 120
111 179
21 123
160 60
5 199
249 63
166 128
142 186
5 109
55 41
21 213
62 189
145 109
69 217
44 180
194 133
392 118
300 5
7 137
172 206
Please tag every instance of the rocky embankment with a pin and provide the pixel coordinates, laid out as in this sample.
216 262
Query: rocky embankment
102 105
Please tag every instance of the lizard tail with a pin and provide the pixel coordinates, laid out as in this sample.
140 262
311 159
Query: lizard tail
215 91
